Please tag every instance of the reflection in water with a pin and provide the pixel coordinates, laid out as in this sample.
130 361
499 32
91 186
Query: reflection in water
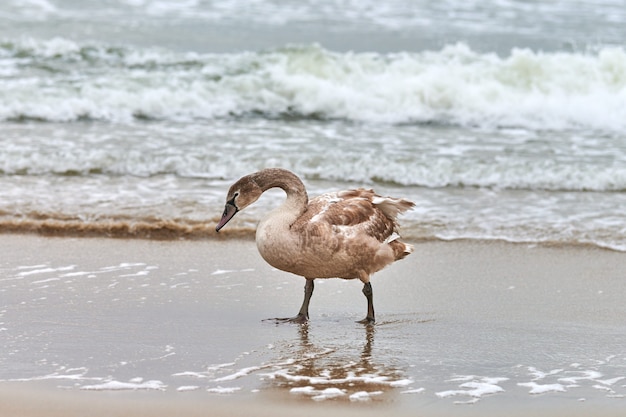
327 372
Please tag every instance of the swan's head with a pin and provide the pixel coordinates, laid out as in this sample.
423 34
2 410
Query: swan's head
240 195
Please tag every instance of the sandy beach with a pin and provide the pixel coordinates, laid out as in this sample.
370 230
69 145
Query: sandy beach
94 326
124 124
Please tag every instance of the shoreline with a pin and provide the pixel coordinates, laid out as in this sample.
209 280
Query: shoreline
171 231
36 401
469 328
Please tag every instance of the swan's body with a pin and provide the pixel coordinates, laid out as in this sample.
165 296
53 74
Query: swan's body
347 234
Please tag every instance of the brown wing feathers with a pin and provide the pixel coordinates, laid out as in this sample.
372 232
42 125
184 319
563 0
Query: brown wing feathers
360 208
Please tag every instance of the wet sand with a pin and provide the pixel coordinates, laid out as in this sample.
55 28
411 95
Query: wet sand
112 327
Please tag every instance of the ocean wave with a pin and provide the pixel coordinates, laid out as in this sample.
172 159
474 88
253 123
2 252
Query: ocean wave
121 228
170 207
61 80
353 162
183 230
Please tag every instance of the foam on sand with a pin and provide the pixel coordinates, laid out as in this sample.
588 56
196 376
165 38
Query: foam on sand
133 384
542 388
475 387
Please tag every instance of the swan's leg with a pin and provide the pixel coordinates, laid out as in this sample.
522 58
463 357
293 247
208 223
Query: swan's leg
308 292
367 291
303 314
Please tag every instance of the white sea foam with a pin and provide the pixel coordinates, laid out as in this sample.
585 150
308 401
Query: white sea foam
475 387
581 376
228 271
186 388
135 384
414 391
63 373
43 281
536 388
364 395
223 390
322 385
539 374
454 85
239 374
573 378
326 379
320 394
46 270
611 381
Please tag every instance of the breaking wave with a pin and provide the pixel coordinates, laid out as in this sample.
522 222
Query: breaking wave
61 80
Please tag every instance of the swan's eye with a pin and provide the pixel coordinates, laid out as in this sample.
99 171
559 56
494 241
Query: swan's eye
232 200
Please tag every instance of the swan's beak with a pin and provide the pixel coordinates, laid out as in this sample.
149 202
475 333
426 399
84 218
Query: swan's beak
229 211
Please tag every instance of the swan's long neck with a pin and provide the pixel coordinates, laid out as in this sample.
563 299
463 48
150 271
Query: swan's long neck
297 197
276 244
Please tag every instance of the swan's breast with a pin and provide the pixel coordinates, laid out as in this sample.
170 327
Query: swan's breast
275 244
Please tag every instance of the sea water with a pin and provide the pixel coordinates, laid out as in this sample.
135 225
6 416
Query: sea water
500 119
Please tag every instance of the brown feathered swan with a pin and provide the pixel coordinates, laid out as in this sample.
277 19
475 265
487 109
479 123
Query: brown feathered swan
345 234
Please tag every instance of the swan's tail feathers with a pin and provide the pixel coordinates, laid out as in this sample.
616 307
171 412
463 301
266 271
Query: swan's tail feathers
400 249
392 207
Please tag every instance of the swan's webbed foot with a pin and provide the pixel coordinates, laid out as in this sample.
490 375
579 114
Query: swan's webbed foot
367 321
299 319
303 314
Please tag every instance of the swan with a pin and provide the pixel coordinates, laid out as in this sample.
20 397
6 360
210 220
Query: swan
346 234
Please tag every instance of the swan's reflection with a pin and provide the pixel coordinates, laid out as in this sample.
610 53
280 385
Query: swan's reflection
336 370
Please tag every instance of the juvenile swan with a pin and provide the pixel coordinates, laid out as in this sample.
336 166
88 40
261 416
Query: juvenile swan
345 234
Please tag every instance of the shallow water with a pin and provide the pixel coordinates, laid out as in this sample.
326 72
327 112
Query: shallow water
188 316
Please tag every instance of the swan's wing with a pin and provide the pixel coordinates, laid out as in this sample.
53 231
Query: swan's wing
352 213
